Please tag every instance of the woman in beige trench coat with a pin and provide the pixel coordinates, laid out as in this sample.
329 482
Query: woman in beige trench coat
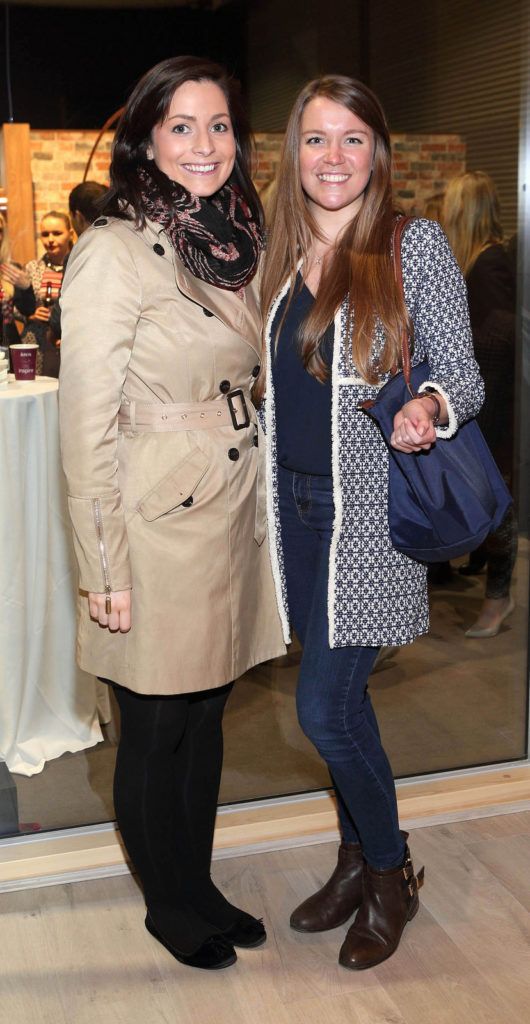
160 347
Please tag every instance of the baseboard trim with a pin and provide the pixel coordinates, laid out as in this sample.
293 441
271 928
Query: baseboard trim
94 852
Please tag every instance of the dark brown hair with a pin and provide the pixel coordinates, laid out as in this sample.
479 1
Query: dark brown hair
360 268
87 199
148 105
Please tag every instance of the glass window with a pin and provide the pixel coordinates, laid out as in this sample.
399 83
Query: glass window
449 701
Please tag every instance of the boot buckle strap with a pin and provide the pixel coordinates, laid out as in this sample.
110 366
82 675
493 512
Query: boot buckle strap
408 870
416 882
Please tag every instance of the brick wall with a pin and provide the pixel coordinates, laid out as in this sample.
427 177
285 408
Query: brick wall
58 161
268 148
422 165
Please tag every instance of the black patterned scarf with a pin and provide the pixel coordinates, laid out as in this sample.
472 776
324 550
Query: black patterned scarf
216 238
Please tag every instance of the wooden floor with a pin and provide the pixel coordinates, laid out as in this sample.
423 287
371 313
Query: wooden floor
78 954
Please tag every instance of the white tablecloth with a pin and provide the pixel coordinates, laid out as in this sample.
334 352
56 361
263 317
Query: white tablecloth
47 705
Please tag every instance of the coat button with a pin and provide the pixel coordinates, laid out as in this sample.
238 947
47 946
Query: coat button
207 312
255 440
255 371
159 249
188 502
225 386
100 222
233 454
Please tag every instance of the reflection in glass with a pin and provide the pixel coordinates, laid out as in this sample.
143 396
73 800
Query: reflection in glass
444 702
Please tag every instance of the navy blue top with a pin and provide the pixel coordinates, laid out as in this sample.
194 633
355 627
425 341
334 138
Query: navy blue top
303 404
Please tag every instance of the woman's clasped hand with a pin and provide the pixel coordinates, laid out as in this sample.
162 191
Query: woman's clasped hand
414 430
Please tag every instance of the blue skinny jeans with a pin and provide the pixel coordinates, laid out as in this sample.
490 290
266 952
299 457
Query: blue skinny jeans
333 704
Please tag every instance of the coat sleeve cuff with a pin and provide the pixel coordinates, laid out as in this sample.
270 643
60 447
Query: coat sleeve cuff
100 543
450 428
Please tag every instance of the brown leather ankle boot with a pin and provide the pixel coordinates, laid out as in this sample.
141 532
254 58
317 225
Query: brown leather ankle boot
339 897
390 899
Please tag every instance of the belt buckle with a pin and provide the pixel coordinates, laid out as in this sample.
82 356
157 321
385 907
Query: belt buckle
237 393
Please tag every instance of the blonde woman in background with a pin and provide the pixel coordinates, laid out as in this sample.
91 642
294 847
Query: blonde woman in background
16 293
46 274
471 219
433 207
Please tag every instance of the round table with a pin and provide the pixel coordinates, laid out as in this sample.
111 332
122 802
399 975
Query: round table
48 706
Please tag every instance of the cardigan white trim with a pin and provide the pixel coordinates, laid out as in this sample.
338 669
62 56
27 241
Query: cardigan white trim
335 470
274 540
450 428
360 381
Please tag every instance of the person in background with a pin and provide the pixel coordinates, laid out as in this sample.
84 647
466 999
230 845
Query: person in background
471 218
46 276
16 293
84 203
334 319
160 347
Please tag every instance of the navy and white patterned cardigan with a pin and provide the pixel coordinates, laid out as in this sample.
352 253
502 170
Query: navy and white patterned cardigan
375 594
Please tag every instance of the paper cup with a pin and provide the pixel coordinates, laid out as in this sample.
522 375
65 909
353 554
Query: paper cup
24 361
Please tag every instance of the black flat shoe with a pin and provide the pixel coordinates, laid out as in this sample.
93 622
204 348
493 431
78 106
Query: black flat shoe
248 933
214 954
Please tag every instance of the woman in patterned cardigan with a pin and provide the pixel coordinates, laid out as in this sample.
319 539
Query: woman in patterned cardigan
334 317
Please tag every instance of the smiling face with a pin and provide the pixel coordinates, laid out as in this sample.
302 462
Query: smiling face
56 238
195 145
336 156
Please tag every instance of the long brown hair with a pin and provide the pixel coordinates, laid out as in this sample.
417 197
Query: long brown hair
471 216
360 268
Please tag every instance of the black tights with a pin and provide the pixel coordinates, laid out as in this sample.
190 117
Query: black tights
166 785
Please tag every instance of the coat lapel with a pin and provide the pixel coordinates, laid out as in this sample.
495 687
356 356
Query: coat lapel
243 317
240 316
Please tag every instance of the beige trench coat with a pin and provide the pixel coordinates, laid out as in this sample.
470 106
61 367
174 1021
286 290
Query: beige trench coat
138 327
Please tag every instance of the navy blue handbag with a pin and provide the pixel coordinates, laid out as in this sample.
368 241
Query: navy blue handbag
442 502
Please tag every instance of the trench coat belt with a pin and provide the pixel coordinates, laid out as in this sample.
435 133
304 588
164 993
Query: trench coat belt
151 417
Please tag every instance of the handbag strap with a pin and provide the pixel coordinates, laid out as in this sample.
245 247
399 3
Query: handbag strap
397 234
